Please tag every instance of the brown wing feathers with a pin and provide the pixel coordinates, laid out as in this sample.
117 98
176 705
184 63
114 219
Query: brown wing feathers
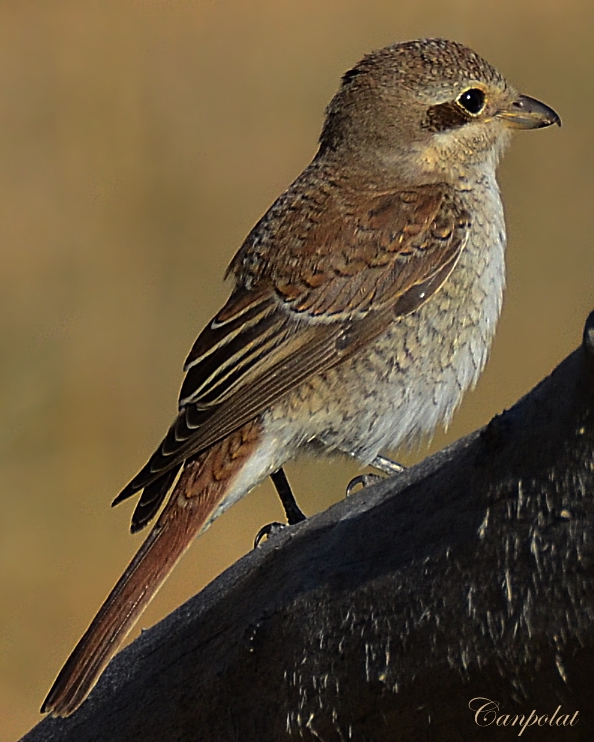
357 271
151 499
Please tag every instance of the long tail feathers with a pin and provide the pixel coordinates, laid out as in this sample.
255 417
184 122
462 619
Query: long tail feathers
201 487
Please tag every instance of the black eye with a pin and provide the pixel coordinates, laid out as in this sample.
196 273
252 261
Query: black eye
472 100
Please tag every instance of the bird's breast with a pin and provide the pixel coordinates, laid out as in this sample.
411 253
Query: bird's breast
404 384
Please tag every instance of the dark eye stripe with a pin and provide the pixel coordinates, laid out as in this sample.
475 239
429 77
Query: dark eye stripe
446 116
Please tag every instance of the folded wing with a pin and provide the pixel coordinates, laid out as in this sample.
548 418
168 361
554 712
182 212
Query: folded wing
332 290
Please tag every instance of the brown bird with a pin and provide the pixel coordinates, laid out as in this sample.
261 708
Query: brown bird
364 305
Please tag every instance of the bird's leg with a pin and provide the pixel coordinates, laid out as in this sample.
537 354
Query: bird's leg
386 465
292 510
383 464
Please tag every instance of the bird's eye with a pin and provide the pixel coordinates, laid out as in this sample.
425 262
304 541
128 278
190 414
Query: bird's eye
472 100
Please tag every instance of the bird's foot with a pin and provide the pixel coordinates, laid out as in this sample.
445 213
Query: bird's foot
363 480
384 464
387 466
270 529
292 510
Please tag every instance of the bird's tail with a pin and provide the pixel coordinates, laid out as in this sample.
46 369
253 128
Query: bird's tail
199 492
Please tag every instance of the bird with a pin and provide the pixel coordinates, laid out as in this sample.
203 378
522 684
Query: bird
363 306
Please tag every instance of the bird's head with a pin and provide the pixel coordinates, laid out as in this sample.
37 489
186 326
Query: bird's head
427 107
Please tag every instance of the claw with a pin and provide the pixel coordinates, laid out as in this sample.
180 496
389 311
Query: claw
365 480
270 529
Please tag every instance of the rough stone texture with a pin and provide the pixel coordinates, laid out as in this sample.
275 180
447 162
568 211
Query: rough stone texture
471 575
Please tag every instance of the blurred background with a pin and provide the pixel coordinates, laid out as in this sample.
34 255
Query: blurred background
139 142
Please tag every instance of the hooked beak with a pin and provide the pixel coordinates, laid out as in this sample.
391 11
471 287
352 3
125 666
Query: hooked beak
528 113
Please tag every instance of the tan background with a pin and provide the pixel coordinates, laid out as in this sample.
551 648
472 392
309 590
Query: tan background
139 142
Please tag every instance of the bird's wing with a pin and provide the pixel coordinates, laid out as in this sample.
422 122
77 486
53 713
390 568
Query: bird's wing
367 253
333 292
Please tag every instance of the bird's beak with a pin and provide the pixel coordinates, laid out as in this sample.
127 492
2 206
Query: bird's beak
528 113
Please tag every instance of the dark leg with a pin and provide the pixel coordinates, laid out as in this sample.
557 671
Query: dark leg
292 510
